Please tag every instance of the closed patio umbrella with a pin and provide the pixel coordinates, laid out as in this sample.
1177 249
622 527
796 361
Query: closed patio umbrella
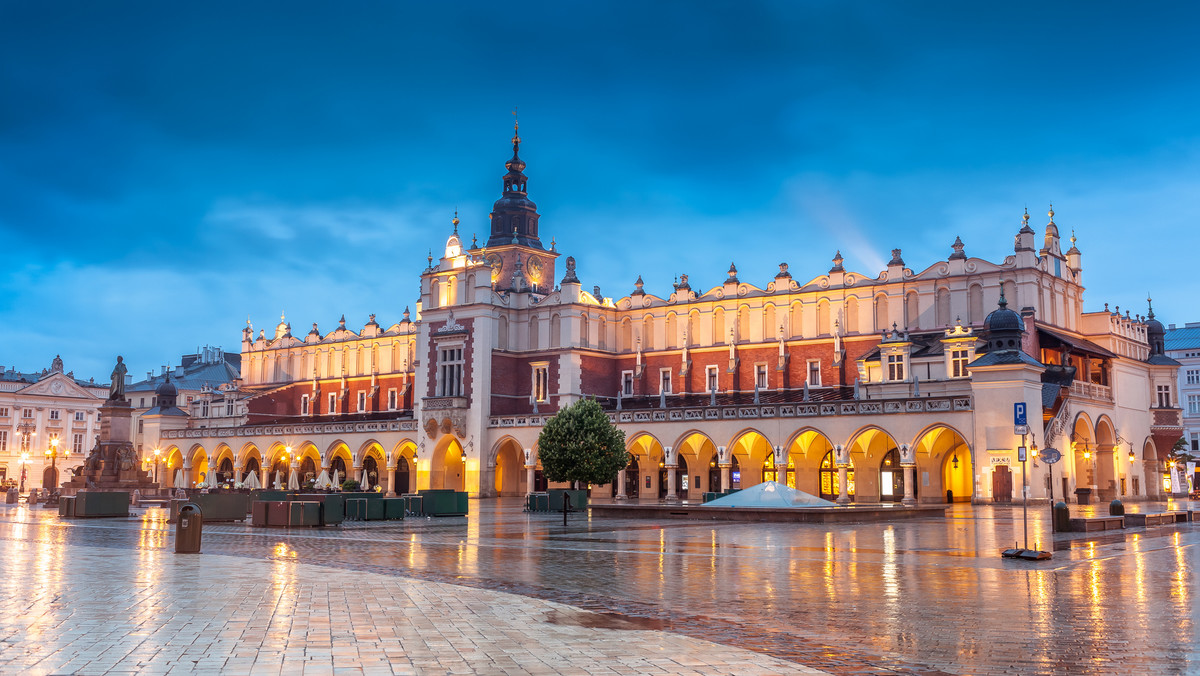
251 481
278 485
322 481
337 485
179 478
293 481
364 483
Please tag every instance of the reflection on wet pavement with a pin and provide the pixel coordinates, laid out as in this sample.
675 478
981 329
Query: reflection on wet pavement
914 597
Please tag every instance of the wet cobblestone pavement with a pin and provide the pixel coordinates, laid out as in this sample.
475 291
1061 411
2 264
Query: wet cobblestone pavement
926 596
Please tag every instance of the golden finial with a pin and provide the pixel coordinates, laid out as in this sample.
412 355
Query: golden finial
1025 218
454 220
1051 213
1072 236
516 139
281 315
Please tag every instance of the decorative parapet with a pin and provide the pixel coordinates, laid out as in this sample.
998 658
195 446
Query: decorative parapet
879 407
445 403
290 430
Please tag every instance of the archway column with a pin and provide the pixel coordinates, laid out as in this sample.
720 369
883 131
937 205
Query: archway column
842 455
669 455
621 495
726 467
530 470
781 464
237 474
391 485
909 477
266 471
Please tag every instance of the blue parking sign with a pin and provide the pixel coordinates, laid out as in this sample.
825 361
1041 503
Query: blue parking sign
1019 414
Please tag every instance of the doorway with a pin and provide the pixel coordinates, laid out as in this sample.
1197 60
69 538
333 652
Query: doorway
1001 484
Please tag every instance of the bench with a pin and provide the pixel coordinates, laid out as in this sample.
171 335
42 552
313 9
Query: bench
1088 524
1156 518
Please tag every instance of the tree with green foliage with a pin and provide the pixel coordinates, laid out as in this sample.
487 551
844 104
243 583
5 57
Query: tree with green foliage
580 444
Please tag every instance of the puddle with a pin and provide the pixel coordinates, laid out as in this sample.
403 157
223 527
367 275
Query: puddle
603 620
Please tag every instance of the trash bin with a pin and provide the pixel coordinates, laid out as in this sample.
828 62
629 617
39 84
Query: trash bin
1115 508
949 497
1083 496
1062 517
12 496
187 529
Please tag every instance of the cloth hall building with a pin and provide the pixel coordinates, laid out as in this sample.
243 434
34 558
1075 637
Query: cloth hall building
870 387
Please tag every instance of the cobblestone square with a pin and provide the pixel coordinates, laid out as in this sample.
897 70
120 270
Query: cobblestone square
502 591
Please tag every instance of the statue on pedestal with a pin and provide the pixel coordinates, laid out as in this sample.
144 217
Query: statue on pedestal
116 390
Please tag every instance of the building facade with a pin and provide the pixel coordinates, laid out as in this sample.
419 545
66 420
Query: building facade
888 386
1183 345
48 422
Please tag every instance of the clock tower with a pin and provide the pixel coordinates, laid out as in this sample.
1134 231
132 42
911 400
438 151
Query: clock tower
514 251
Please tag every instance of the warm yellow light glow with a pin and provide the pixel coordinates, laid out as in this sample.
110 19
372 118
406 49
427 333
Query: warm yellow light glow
1132 457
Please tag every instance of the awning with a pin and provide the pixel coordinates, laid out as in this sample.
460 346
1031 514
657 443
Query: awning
1077 345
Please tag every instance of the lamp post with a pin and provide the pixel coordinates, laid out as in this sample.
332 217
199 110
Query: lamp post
52 453
24 465
157 459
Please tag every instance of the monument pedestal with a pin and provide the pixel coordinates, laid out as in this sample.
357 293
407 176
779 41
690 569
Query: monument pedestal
113 465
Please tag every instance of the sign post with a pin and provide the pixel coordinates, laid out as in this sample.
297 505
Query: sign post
1021 427
1051 456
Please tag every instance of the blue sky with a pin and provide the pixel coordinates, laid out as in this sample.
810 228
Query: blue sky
168 169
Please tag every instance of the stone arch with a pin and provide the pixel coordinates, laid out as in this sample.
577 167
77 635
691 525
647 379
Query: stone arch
742 324
796 319
174 461
944 452
700 453
198 461
507 458
434 290
871 443
672 331
1106 459
555 330
534 329
585 338
693 329
806 448
625 335
1083 447
373 447
824 323
648 341
718 326
403 461
912 311
502 333
447 469
770 331
751 448
649 453
941 307
975 304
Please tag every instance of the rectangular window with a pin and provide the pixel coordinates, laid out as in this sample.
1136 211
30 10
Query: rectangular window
304 404
392 399
141 424
1195 441
1164 396
332 403
1194 404
450 372
27 413
204 409
760 376
958 363
190 398
229 408
142 402
541 382
711 376
664 381
1193 377
895 364
80 416
55 414
3 440
814 373
3 411
77 442
627 383
362 401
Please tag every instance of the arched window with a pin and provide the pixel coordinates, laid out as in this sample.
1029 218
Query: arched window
1010 294
911 311
718 337
770 331
602 334
823 323
830 487
796 322
469 292
555 331
851 323
625 342
672 332
583 331
451 291
434 290
534 328
743 324
693 329
942 308
502 331
648 333
975 304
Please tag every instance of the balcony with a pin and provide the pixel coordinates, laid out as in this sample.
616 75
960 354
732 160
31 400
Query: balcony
1081 390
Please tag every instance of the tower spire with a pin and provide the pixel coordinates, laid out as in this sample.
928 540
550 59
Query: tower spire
514 216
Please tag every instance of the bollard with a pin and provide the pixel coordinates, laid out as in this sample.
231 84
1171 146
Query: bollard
188 529
12 496
566 506
1115 508
1062 517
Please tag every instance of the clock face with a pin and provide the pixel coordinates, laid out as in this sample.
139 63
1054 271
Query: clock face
535 269
497 264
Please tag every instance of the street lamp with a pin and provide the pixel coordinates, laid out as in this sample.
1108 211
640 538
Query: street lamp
52 453
157 459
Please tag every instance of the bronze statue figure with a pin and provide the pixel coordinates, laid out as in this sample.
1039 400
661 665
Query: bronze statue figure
116 391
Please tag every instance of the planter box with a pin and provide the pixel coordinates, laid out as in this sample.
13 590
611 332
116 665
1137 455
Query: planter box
216 506
258 513
66 506
304 514
579 499
414 504
101 503
278 513
393 508
444 502
333 506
